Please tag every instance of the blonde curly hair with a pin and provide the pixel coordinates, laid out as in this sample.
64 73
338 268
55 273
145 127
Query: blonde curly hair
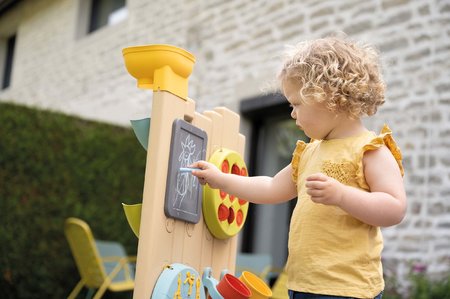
346 76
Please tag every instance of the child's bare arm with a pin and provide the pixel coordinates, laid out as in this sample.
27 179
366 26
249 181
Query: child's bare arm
384 205
257 189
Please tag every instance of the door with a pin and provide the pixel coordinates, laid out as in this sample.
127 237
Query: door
273 138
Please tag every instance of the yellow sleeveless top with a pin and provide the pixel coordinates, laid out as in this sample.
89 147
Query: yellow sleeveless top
331 252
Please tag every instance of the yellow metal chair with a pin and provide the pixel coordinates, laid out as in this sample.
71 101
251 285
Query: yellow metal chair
279 289
102 265
259 264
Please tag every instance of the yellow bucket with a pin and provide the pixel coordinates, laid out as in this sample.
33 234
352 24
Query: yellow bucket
133 215
260 290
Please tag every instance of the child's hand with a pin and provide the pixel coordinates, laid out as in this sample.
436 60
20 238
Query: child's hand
209 174
324 189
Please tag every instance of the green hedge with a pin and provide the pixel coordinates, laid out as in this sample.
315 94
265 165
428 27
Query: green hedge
53 166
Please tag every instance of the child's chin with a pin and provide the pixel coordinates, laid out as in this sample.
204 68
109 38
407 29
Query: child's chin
312 136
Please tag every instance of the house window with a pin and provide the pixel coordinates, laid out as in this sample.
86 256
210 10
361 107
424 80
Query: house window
272 140
106 12
8 45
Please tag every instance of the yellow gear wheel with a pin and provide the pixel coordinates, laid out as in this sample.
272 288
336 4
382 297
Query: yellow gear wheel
225 214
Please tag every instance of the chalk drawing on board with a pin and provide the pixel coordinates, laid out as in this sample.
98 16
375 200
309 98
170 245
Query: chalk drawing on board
187 184
183 191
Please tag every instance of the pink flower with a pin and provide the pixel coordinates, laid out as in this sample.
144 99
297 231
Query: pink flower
419 268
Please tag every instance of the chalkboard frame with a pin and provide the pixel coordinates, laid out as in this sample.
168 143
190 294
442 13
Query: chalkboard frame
184 136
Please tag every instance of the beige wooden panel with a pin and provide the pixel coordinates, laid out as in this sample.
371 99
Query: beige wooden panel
196 246
156 241
230 140
164 240
230 131
217 128
220 248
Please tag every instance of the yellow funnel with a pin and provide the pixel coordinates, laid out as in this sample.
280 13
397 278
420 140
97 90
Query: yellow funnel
160 67
133 214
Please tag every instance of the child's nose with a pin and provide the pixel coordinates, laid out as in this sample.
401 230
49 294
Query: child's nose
293 115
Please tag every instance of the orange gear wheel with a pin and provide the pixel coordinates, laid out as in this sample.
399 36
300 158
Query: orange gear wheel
224 215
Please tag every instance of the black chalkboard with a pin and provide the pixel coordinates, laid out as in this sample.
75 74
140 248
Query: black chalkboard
183 191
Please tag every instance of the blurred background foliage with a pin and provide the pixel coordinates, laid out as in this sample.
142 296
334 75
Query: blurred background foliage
54 166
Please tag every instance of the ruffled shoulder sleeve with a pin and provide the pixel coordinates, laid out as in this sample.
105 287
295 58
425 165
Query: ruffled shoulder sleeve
300 147
384 138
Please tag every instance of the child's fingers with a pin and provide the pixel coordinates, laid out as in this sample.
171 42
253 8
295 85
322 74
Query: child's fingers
314 192
199 164
194 165
201 169
197 168
314 185
317 177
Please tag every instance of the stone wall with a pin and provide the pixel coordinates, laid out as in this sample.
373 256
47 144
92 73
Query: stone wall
237 45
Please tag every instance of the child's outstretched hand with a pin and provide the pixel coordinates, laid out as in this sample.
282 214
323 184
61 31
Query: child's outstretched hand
324 189
209 174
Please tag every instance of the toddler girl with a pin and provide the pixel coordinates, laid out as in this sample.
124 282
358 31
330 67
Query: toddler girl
348 180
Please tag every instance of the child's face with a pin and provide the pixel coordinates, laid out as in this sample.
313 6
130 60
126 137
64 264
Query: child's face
311 117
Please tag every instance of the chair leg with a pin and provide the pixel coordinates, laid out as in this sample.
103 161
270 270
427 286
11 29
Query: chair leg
108 280
90 293
76 290
102 289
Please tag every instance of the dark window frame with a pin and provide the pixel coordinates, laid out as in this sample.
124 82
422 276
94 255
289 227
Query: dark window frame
9 58
255 110
95 12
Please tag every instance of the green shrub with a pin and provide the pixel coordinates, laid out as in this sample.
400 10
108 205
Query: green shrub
424 288
421 286
54 166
